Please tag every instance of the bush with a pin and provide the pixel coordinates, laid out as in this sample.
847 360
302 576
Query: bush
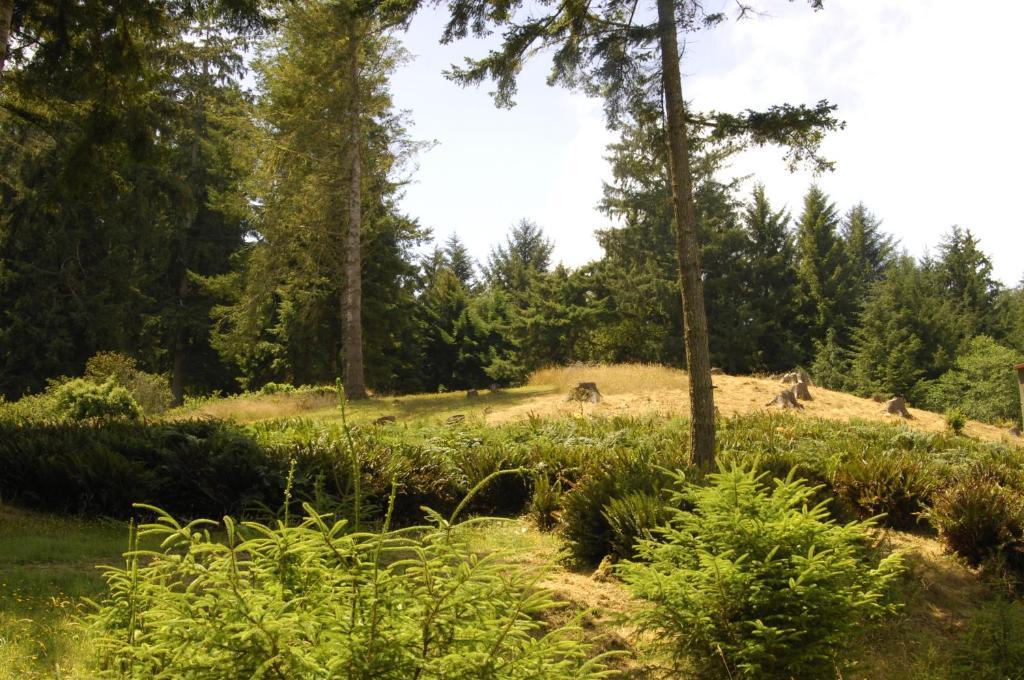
152 392
623 472
896 484
755 583
979 518
84 400
992 647
981 383
316 601
545 501
277 388
956 420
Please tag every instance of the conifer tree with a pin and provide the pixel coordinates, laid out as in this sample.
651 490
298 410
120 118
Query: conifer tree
459 261
772 291
823 267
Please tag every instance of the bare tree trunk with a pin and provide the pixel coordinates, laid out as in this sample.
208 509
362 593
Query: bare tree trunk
695 325
355 384
6 14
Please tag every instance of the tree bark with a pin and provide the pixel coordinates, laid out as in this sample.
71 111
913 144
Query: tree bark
355 384
695 325
6 14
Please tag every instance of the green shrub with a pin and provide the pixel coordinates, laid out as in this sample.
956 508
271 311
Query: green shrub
316 601
979 518
982 383
897 484
992 646
545 502
152 392
622 472
956 420
754 582
277 388
85 400
633 517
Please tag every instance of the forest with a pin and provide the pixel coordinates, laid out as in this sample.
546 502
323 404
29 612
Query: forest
214 305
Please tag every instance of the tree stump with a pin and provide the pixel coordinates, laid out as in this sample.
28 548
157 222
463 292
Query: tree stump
472 394
494 387
717 371
800 391
790 378
384 420
1014 431
785 399
455 419
586 392
897 406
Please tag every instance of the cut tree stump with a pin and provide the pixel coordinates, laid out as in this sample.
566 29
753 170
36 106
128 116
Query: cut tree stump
585 392
717 371
897 406
472 394
800 391
790 378
455 419
384 420
785 399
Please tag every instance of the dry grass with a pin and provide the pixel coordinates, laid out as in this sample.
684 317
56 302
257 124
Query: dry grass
643 389
612 378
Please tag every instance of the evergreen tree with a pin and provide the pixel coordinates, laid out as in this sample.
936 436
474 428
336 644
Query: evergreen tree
773 295
525 254
964 276
292 315
823 267
119 180
459 261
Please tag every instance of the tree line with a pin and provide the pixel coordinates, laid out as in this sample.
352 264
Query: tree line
229 236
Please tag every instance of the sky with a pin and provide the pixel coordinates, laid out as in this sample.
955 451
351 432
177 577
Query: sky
926 88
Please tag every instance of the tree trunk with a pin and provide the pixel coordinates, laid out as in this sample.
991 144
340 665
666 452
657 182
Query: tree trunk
695 325
6 14
355 385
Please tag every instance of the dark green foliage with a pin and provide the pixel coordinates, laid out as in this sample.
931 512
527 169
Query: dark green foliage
823 268
545 501
318 600
587 506
898 484
754 582
196 468
777 334
632 517
980 518
992 646
831 366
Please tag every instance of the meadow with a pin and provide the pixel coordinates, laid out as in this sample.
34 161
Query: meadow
571 492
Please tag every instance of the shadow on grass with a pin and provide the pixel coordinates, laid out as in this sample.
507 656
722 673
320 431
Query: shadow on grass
426 407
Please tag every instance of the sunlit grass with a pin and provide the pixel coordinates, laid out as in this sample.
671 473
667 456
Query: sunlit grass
47 565
612 378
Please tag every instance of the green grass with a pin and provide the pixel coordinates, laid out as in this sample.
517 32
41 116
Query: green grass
47 565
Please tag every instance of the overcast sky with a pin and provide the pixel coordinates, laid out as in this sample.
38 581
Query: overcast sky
926 87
